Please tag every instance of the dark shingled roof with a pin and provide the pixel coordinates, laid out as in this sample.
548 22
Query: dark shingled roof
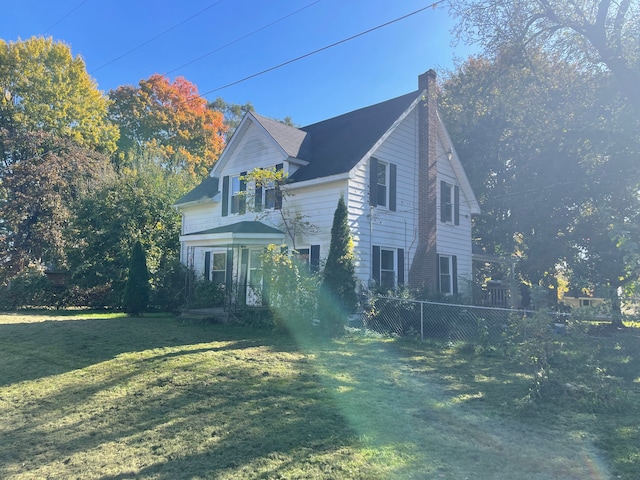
241 227
330 147
291 139
205 191
335 145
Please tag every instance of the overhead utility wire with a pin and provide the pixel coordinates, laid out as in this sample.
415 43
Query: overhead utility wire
146 42
242 38
46 30
326 47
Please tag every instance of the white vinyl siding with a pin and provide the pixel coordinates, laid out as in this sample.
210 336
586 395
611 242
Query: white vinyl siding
454 239
379 226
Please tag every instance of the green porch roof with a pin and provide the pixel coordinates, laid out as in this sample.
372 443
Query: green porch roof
241 227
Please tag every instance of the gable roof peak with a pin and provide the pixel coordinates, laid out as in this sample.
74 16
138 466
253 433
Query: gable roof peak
291 139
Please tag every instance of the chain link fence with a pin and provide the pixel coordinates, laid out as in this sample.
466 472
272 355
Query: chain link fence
441 321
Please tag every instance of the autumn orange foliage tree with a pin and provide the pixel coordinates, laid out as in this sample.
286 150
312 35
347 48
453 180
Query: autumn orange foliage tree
169 120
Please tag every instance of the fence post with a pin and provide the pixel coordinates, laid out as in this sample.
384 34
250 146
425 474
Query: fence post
422 321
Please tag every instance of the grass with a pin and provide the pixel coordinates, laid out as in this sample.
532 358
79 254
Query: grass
105 396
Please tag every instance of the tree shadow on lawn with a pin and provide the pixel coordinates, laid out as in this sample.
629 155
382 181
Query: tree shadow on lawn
185 413
39 349
431 424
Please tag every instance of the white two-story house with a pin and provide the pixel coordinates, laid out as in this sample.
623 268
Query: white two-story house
409 201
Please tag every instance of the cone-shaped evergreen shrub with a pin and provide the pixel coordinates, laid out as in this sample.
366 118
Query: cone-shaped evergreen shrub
136 291
338 292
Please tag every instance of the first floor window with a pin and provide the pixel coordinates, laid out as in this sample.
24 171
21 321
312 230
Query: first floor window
309 258
447 274
388 266
219 270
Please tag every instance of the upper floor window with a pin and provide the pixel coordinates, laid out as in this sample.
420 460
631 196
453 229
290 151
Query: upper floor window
267 192
382 184
381 187
236 200
232 200
449 203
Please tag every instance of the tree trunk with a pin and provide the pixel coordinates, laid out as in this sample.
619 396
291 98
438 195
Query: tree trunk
616 312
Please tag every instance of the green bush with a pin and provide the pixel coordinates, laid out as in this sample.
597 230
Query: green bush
289 290
207 294
168 294
30 288
99 296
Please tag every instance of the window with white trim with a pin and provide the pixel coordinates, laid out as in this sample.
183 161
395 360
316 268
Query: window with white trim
449 203
448 274
236 201
219 268
381 184
388 266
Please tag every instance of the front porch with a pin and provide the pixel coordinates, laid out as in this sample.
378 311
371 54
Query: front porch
225 261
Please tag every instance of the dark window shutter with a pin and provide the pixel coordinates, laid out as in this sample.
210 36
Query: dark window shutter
443 202
456 205
278 200
373 182
392 187
400 267
258 199
243 200
375 263
207 265
454 273
225 195
314 259
438 289
229 268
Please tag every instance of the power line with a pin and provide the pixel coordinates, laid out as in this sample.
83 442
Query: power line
146 42
326 47
65 15
242 38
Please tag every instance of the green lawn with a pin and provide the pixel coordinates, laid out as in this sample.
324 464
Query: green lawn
105 396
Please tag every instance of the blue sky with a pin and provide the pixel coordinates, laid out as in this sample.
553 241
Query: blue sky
189 38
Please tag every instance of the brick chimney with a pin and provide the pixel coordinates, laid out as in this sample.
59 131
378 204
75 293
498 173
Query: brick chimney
423 270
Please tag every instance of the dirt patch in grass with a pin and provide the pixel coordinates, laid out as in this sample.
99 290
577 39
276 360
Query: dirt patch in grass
158 397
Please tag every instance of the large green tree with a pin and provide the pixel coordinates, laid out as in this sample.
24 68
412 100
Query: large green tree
591 33
135 206
45 88
43 179
550 149
517 127
170 120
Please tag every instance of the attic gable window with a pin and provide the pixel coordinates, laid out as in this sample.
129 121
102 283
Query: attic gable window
382 184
